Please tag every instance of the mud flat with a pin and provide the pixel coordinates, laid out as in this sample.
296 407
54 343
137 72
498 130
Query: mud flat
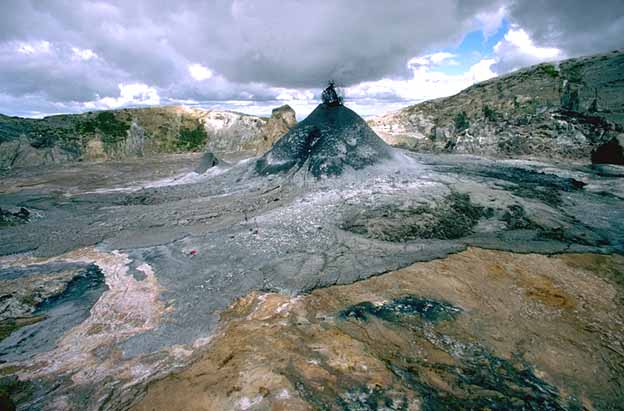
150 257
477 330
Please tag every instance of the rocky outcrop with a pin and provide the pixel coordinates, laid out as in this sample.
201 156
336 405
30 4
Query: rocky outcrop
106 135
331 139
282 119
21 151
563 110
236 133
230 132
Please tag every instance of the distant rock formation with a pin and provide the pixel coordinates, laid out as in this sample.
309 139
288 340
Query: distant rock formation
23 151
331 139
106 135
553 111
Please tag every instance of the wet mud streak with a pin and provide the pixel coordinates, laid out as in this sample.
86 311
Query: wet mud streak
53 315
86 286
486 382
410 305
530 184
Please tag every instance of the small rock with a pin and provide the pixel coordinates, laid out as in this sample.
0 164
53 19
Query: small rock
207 161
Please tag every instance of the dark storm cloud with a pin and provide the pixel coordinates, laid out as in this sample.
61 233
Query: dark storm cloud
54 71
278 43
303 43
254 46
577 27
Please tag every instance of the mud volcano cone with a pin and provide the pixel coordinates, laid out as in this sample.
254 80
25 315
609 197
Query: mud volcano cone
330 140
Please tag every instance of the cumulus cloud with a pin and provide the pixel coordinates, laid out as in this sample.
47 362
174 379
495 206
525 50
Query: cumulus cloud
279 44
491 20
83 54
32 48
199 72
518 50
429 59
55 72
427 81
129 94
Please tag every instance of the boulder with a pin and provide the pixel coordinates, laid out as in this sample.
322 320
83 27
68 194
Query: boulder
611 152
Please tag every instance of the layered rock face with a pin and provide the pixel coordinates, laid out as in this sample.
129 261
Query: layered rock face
137 132
331 139
282 119
564 110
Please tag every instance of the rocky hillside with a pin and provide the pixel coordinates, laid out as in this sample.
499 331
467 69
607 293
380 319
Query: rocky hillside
564 110
137 132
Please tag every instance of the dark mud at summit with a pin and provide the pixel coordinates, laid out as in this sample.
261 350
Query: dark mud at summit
331 140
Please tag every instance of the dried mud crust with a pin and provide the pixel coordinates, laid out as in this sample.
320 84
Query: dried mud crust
478 330
451 218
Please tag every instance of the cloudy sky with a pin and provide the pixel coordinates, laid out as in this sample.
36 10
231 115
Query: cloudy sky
59 56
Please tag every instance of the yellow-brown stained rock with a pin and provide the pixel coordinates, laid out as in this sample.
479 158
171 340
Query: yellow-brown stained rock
557 315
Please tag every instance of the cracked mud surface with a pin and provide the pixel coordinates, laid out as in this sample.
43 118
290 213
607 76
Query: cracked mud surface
177 250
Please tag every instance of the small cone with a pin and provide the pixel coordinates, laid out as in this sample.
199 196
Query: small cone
331 139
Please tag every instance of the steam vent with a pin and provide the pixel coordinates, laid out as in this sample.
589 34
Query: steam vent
331 139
